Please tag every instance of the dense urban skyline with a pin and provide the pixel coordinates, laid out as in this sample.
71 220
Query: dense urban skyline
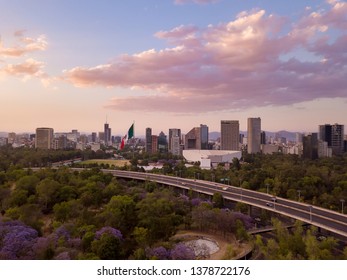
174 63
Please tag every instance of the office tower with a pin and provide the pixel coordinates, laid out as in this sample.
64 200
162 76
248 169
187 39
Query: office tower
192 139
44 138
263 138
253 135
230 135
162 142
333 135
60 142
154 143
148 145
310 146
107 134
197 138
204 136
175 141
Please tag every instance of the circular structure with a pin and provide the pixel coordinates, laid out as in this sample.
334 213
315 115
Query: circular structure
203 247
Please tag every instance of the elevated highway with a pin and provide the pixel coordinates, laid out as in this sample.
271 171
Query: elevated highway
310 214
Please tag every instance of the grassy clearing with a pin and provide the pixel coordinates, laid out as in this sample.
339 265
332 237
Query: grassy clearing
115 162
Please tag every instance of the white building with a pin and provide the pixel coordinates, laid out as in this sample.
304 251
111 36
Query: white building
209 157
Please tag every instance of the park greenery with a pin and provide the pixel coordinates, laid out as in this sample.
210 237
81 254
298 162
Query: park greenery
56 213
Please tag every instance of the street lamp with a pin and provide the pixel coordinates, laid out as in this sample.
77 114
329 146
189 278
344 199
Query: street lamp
267 188
310 207
342 202
299 192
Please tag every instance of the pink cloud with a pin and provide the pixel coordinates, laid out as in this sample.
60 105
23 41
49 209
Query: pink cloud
24 45
30 67
233 65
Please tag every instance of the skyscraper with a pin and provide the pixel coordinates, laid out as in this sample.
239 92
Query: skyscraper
230 135
107 134
333 135
44 138
253 135
154 145
204 136
310 146
175 141
197 138
162 142
148 146
192 139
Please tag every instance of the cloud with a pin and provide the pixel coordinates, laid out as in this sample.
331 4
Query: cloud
30 67
232 66
25 67
24 45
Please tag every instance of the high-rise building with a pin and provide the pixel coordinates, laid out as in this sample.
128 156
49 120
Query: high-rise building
154 144
60 142
175 141
230 135
44 138
310 146
162 142
333 135
263 138
107 134
192 139
204 136
148 145
197 138
253 135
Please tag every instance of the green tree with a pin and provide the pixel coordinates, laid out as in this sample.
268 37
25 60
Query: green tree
141 236
156 213
120 213
27 183
108 247
47 191
218 200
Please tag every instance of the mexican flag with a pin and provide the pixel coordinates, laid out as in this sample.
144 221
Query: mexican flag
127 136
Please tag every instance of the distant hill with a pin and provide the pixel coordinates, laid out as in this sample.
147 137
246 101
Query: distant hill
214 135
3 134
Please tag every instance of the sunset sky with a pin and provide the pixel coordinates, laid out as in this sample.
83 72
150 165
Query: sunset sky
172 64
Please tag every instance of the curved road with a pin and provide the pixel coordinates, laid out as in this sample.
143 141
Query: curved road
320 217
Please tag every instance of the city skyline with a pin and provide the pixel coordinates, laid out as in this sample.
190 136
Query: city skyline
173 63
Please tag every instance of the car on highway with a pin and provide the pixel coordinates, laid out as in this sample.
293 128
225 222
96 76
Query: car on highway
274 199
269 204
225 188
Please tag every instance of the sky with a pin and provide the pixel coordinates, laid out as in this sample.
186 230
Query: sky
172 64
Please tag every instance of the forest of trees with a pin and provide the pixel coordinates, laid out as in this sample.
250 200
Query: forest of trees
59 214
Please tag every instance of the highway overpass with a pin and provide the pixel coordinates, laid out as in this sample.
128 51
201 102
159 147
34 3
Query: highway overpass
323 218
